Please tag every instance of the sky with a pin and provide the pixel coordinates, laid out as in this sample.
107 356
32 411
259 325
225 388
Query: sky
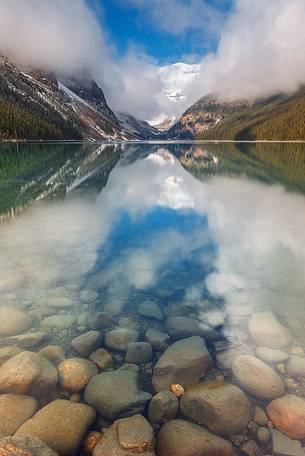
243 48
128 24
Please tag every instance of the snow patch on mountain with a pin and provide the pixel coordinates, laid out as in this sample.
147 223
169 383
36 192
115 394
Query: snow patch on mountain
177 79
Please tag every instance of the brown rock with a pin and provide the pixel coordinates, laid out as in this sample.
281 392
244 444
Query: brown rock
61 424
184 363
75 373
13 321
127 436
92 439
221 407
28 373
54 353
163 407
7 353
257 378
287 414
182 438
102 358
87 343
15 409
24 445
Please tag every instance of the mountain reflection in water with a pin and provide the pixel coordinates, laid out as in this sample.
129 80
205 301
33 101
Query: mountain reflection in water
214 232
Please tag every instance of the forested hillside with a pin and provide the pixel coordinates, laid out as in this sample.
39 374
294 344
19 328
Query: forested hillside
34 105
280 117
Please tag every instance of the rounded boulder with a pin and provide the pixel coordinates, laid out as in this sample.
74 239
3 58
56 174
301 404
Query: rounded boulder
257 378
221 407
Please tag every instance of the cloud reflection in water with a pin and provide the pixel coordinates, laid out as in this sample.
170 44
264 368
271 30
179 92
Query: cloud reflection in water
154 226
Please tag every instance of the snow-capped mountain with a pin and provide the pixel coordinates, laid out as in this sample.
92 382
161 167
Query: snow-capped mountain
176 79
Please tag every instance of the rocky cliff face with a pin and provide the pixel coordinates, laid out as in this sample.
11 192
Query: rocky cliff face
138 128
203 115
35 105
279 117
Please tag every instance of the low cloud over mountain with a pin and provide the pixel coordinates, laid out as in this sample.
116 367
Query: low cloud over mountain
260 49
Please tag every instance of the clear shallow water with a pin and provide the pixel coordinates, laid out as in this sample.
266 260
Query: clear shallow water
212 232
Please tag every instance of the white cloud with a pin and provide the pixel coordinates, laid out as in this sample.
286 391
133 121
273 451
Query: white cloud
261 51
259 261
57 34
261 48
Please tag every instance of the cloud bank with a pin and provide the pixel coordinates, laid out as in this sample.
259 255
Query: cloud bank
260 50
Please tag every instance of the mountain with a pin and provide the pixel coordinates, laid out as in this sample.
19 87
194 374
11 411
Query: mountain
138 128
34 105
280 117
176 79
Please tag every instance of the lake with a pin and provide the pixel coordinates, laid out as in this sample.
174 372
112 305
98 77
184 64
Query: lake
171 266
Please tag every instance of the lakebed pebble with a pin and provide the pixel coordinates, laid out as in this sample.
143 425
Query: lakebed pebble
158 390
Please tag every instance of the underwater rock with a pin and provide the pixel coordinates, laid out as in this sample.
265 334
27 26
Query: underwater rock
24 445
257 378
287 414
284 446
60 302
92 439
89 295
163 407
100 320
118 339
180 437
150 309
259 416
127 436
158 339
7 353
266 331
271 355
87 343
54 353
74 374
13 322
296 366
27 340
116 394
177 389
263 435
61 424
28 373
184 362
226 356
101 358
139 352
183 327
221 407
58 322
15 409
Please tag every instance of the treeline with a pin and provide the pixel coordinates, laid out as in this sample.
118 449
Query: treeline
25 115
17 123
278 119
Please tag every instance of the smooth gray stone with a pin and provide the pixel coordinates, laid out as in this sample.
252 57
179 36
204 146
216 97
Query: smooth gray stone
285 446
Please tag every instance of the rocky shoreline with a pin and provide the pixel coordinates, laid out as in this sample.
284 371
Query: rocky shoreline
155 380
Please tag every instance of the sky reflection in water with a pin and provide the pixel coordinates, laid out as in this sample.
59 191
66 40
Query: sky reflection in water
157 231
